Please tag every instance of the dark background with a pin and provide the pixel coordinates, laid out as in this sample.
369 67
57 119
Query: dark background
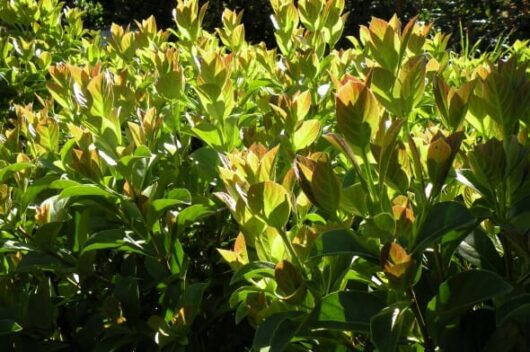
487 19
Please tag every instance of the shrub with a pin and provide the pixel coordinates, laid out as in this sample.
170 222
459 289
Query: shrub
163 187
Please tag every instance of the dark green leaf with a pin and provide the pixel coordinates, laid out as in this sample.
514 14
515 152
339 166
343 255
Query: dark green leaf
338 242
9 327
386 326
459 293
109 239
346 310
277 330
444 219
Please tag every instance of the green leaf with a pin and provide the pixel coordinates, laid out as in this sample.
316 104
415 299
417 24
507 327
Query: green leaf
346 310
444 219
8 327
181 194
7 171
192 299
209 134
240 295
306 134
277 330
270 201
478 249
338 242
112 239
459 293
517 308
253 270
159 205
40 311
381 226
85 190
387 325
102 97
193 213
127 291
63 184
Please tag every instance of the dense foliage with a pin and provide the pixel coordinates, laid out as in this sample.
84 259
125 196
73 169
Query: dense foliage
489 20
182 189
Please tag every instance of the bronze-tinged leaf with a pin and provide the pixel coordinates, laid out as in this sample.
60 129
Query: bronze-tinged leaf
101 100
303 171
301 105
404 216
441 92
42 215
304 238
357 113
238 256
326 187
439 151
392 253
318 181
452 103
240 248
401 208
289 180
386 153
267 163
290 282
137 133
398 266
378 27
412 83
287 277
441 154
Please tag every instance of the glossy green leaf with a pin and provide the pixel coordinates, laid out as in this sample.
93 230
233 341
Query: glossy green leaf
192 214
478 249
459 293
386 326
86 190
346 310
112 239
338 242
444 219
277 330
253 270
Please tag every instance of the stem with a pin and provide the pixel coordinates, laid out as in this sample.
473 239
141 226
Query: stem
427 342
291 250
370 183
438 263
508 260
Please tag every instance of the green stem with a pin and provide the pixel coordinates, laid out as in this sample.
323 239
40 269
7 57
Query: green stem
370 183
427 342
438 263
290 249
508 260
